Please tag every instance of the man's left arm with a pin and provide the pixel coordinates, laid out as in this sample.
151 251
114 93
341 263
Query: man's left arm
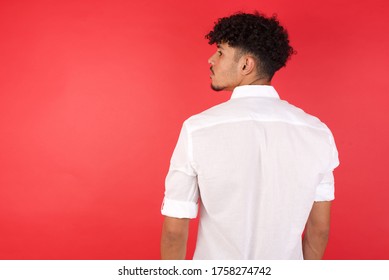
316 231
174 238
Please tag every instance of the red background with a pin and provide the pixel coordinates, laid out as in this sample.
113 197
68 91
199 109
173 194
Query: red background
93 95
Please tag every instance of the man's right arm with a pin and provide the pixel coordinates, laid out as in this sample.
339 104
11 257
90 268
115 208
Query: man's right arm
317 231
174 238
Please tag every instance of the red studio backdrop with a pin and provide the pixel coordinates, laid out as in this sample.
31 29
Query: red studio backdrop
93 95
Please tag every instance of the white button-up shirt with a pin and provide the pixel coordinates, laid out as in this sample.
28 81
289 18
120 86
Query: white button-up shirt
257 164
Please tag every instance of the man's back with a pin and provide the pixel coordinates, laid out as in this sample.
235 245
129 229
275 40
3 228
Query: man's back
258 164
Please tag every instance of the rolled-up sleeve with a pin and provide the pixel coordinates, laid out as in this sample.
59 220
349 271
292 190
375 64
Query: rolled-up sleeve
181 187
325 191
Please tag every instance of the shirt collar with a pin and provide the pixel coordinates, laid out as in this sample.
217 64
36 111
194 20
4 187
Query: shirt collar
254 91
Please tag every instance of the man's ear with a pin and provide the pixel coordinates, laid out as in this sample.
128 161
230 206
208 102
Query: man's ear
247 65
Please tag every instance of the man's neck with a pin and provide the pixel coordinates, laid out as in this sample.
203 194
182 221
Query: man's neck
255 81
260 81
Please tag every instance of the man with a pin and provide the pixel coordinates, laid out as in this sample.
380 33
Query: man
260 168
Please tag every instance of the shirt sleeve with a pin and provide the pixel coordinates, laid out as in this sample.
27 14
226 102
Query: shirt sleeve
325 191
181 187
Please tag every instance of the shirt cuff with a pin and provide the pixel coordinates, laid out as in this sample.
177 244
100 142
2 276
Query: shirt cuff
179 209
325 192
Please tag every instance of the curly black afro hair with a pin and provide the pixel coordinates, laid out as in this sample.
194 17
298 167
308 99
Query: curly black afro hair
261 36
